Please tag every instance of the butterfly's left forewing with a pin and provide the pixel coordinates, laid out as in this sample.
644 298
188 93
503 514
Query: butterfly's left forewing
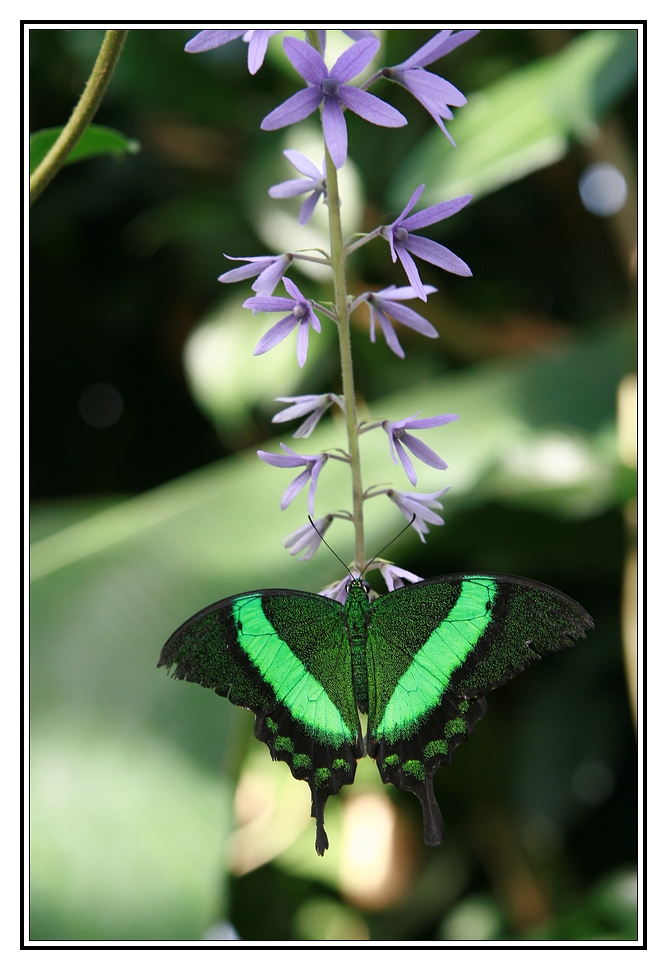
433 650
285 655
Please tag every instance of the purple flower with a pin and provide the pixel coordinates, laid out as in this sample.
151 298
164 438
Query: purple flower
399 436
401 240
269 271
314 405
432 91
300 314
394 576
257 41
314 465
338 590
419 504
329 89
315 183
384 304
307 539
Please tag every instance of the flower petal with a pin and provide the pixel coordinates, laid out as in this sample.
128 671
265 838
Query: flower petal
435 213
257 48
435 89
394 292
302 342
294 488
281 461
359 34
409 318
268 304
206 40
275 335
296 108
308 208
422 451
390 334
439 255
443 42
317 468
269 278
412 272
335 130
408 467
428 52
287 190
294 291
370 108
302 164
435 422
414 198
352 61
306 60
241 272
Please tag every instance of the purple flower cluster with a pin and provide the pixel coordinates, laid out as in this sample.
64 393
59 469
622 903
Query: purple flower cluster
432 91
313 405
387 303
331 90
301 315
269 271
418 507
313 466
315 183
402 242
400 439
257 41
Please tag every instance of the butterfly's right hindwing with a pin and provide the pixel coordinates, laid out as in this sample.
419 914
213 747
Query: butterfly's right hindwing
285 655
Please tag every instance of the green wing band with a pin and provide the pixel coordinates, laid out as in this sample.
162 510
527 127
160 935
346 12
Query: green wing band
423 684
304 697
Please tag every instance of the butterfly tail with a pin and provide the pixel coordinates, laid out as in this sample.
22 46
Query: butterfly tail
434 826
317 812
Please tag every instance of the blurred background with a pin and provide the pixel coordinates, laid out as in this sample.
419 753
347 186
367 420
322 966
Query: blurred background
155 813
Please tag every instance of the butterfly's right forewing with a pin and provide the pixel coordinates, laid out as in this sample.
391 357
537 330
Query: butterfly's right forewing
285 655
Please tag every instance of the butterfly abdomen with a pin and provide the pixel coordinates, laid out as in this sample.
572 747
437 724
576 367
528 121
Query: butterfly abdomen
357 609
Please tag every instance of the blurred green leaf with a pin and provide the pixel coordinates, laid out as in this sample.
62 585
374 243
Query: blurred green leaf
523 122
96 140
126 836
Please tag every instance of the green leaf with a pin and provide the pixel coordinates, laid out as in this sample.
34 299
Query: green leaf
96 140
523 122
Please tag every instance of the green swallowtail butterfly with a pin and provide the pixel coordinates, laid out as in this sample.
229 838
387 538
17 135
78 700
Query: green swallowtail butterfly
418 661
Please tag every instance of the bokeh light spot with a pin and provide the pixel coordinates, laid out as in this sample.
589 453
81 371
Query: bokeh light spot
101 405
592 783
603 189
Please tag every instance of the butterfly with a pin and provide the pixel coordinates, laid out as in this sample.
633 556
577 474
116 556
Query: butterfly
418 661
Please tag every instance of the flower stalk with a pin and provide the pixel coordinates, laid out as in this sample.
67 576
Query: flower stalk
83 114
345 346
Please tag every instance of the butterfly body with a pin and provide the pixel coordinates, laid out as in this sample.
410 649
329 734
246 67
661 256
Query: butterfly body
418 661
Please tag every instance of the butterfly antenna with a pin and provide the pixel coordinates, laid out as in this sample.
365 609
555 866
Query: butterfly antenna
375 558
330 549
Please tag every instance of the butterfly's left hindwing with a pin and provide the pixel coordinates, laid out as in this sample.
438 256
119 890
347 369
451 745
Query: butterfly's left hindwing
434 649
284 655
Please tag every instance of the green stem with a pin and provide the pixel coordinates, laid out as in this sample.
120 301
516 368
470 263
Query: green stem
347 374
83 113
340 295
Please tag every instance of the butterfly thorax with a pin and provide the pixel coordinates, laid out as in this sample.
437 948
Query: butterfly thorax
357 609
